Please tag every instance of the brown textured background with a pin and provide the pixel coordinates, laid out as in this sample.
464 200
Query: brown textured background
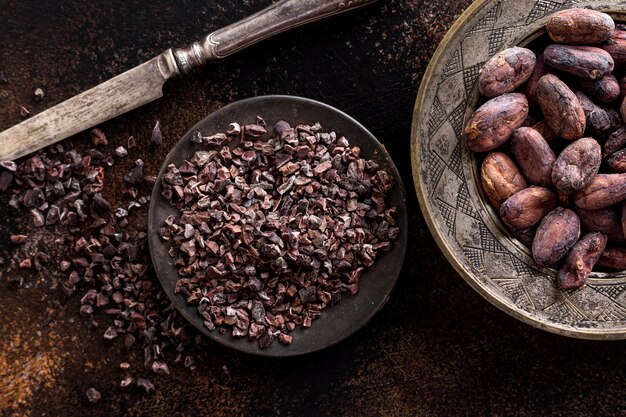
437 348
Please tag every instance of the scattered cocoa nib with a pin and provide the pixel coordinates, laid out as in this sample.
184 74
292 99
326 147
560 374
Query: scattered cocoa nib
105 263
38 94
24 112
157 136
271 232
18 239
98 137
121 151
145 385
93 395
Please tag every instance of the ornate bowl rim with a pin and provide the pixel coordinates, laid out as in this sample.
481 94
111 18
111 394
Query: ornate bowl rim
498 300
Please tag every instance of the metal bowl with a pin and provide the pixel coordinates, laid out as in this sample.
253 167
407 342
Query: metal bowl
447 178
336 322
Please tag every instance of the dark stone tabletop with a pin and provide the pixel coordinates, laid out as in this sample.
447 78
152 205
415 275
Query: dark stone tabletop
436 348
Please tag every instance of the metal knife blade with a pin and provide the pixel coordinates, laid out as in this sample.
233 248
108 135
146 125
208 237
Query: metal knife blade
116 96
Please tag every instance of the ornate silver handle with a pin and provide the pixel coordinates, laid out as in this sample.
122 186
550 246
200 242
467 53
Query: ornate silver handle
279 17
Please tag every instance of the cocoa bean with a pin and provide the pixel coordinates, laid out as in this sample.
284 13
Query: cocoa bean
615 142
525 236
613 257
616 119
616 47
597 119
622 109
506 71
577 165
545 131
580 26
580 261
606 89
530 87
562 110
534 155
619 32
622 87
623 220
500 178
603 191
617 161
557 233
607 221
527 207
494 122
586 62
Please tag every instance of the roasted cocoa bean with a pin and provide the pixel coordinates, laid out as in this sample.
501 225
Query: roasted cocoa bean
545 131
622 109
577 165
525 236
580 261
500 178
613 257
557 233
622 87
580 26
616 47
530 87
586 62
615 142
606 89
534 155
562 110
494 122
527 207
623 220
603 191
506 71
607 221
617 161
597 119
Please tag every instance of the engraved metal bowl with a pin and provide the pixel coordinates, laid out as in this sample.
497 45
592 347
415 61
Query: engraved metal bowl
447 180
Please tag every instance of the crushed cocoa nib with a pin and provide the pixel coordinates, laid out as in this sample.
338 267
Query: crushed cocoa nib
273 230
94 254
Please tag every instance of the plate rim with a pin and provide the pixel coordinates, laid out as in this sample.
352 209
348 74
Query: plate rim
286 352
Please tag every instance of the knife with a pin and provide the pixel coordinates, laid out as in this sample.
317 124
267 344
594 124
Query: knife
144 83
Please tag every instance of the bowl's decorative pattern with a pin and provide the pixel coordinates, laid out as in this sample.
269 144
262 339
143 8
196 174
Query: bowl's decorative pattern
466 228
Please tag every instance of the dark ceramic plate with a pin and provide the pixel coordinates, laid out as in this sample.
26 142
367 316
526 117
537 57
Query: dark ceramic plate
336 322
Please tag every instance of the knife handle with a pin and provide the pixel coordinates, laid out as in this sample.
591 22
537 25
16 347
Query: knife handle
276 18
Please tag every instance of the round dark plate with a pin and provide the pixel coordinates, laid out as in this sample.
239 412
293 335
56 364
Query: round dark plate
336 322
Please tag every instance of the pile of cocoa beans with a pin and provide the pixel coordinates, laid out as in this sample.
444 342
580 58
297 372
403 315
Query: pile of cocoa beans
554 136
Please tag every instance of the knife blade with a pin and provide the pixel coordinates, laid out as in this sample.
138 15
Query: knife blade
144 83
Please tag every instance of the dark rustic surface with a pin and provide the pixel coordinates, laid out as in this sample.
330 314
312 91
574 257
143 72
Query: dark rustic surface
436 348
